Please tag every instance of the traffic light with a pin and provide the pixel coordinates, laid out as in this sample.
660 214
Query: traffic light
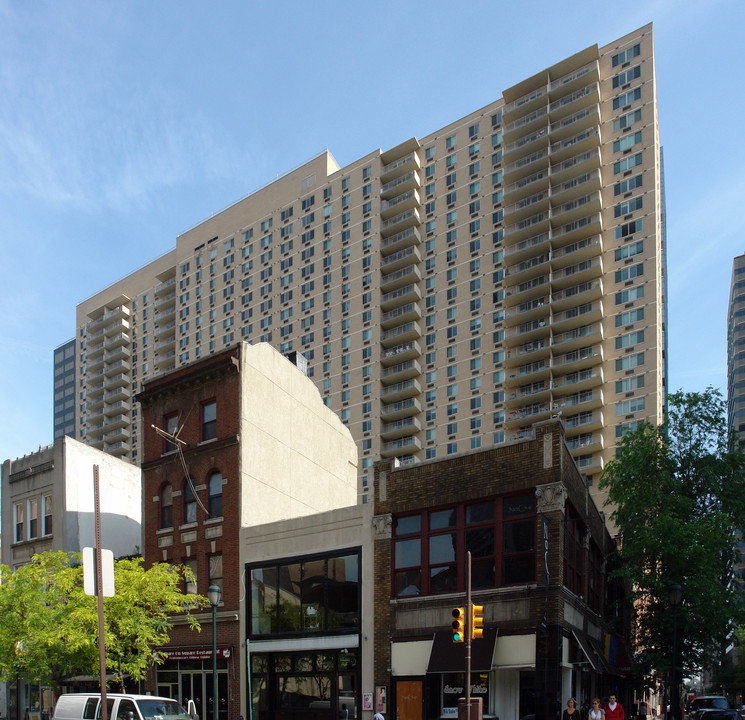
477 621
459 627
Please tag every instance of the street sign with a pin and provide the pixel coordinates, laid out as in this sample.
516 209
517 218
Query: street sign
89 572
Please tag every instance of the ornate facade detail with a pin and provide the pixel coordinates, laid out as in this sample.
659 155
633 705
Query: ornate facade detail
550 497
383 525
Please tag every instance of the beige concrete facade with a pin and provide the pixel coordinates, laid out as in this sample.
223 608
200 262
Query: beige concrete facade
447 292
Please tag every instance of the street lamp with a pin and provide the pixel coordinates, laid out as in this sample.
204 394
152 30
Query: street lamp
213 595
675 596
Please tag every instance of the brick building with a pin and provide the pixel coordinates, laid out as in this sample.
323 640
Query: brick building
538 546
254 444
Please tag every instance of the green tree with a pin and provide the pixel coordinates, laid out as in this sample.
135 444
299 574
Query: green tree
678 496
49 626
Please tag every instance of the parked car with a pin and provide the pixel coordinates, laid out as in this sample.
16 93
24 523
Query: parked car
710 703
86 706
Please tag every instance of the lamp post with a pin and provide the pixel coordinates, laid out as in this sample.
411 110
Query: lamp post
213 595
675 596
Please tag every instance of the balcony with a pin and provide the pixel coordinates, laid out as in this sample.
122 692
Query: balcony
402 258
589 465
402 166
117 327
568 104
585 442
116 381
580 400
577 295
399 278
400 296
533 392
578 143
400 428
405 238
569 212
584 314
401 371
166 301
164 286
587 421
115 340
165 360
578 380
408 181
117 449
93 351
516 274
401 333
528 414
166 343
119 352
585 357
529 372
527 311
162 328
526 331
119 393
526 103
399 315
577 251
527 206
117 367
577 229
525 123
526 248
93 364
400 409
405 201
528 352
400 222
528 142
526 186
401 391
404 445
575 165
399 353
527 165
526 290
572 80
572 124
579 272
577 337
528 227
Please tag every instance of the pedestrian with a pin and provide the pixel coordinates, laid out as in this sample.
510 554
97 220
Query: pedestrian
571 713
642 710
378 716
344 714
597 712
614 710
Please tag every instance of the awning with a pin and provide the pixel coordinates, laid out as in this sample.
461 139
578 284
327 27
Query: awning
605 665
447 656
584 642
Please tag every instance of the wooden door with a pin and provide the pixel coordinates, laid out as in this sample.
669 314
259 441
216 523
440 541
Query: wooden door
409 703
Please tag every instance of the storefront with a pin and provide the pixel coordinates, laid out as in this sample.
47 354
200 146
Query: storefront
187 674
304 639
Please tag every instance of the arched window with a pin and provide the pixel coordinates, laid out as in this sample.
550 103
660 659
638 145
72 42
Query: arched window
214 506
190 503
166 506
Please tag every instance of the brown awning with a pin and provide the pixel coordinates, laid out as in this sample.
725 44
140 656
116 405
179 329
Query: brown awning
584 642
447 656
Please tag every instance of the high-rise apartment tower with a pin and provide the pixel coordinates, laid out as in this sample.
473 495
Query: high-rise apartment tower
735 351
447 292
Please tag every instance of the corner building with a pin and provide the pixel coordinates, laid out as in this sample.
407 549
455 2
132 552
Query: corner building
447 292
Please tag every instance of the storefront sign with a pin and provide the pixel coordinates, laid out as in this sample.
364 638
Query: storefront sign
224 652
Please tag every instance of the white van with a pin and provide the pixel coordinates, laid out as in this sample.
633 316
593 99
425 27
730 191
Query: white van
87 706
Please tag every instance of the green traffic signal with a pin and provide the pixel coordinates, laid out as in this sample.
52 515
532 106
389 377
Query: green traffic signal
459 627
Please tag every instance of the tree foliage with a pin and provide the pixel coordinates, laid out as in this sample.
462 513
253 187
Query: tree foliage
49 626
678 497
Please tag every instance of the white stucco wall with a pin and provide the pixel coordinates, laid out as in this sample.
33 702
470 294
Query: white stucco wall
120 500
297 457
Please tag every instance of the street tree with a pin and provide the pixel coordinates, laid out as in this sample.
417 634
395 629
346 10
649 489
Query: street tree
49 626
677 496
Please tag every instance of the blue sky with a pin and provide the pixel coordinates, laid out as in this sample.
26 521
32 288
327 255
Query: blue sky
123 124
